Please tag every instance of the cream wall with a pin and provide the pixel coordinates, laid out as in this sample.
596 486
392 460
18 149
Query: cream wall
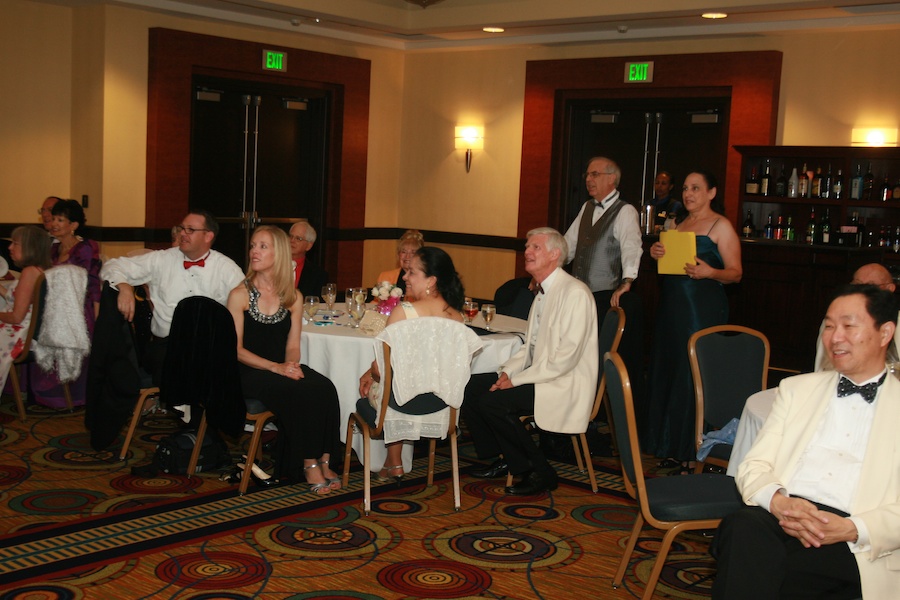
61 66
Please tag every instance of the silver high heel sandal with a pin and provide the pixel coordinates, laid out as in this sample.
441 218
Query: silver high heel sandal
334 483
319 489
388 476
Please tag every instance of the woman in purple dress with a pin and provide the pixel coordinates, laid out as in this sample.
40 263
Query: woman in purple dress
70 249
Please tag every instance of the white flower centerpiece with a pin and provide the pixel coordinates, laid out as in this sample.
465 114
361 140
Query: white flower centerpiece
387 295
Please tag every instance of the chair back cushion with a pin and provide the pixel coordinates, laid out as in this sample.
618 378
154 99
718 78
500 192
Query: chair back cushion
732 368
618 389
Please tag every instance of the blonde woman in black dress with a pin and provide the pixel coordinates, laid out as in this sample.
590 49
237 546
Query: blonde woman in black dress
267 312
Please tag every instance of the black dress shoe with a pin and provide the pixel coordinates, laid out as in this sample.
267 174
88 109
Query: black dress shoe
498 468
533 484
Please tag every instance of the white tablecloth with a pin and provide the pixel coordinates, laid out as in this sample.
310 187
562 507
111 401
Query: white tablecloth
343 354
756 411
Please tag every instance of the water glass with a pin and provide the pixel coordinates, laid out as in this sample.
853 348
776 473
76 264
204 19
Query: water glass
329 295
311 306
487 312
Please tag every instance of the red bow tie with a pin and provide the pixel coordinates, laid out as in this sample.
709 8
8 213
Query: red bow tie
196 263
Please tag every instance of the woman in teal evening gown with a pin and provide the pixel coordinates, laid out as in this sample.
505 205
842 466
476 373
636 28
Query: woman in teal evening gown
688 303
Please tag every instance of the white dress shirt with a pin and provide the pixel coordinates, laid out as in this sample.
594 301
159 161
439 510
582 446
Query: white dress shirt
169 282
626 230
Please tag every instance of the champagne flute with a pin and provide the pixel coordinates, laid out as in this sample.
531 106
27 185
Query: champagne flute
329 294
487 312
311 307
470 311
357 310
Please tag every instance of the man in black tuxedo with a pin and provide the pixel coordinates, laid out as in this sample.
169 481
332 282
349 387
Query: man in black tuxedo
308 276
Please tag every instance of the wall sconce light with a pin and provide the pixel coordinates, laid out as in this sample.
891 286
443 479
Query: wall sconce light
469 138
873 137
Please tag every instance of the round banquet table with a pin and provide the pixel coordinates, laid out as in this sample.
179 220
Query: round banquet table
343 354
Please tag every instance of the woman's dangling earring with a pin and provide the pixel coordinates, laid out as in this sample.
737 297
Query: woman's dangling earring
428 291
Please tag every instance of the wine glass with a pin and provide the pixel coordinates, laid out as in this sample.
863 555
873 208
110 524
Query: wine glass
329 294
487 312
470 311
311 306
356 308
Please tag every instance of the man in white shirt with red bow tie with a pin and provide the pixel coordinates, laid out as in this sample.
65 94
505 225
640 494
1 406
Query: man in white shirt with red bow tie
822 479
192 268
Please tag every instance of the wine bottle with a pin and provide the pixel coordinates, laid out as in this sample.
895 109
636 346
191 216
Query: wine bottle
825 184
748 229
884 237
825 228
815 187
781 183
779 228
895 194
790 234
752 185
868 185
886 190
811 227
856 184
769 229
803 187
793 186
837 186
860 231
765 182
896 246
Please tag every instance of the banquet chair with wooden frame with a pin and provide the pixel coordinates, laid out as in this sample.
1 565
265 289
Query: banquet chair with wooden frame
611 331
671 504
26 356
455 345
729 363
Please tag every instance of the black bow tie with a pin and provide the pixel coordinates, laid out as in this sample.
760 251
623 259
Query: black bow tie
867 391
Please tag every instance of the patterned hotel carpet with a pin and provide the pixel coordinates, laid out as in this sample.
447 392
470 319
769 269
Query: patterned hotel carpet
79 525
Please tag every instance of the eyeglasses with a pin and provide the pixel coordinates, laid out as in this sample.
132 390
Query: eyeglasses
187 230
595 174
297 238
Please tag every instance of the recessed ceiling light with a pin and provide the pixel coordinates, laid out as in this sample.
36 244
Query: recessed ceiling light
493 29
714 15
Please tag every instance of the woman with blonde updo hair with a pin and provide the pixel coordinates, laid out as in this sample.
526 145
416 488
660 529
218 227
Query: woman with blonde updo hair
407 246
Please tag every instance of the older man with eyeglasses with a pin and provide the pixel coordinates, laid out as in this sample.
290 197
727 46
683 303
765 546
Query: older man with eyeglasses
192 268
308 276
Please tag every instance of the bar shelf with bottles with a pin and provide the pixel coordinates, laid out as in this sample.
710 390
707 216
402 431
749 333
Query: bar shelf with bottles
855 190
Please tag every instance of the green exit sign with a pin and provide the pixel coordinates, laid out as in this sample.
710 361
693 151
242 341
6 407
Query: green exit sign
639 72
272 60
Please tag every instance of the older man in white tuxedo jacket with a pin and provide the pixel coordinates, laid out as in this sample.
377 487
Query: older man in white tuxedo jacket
822 479
553 376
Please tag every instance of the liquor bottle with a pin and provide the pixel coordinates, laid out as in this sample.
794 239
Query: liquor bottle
895 194
825 184
837 186
884 237
815 186
860 231
790 234
769 229
779 228
803 187
868 185
896 245
856 184
752 185
811 233
765 182
781 183
748 228
825 228
793 186
886 190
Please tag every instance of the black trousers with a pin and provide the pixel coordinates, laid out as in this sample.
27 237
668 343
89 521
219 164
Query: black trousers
492 419
757 559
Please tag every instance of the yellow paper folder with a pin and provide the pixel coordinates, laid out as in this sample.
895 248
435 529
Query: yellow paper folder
681 248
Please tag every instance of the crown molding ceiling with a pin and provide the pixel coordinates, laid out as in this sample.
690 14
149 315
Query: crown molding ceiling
457 24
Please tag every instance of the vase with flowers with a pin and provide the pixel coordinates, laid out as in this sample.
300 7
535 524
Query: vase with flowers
387 296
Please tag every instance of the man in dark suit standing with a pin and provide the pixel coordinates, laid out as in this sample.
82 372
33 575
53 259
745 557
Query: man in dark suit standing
308 276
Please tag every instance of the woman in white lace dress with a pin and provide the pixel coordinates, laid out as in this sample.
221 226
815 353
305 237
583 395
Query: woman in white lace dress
434 283
30 251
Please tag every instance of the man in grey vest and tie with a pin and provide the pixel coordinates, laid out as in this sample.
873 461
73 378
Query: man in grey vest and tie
605 238
605 250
